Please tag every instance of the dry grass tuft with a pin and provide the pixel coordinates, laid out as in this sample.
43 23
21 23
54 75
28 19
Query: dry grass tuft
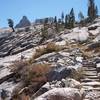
30 73
36 73
33 75
50 47
18 66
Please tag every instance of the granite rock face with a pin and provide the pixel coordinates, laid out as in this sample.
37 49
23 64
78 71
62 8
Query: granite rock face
24 22
18 42
64 83
61 94
80 56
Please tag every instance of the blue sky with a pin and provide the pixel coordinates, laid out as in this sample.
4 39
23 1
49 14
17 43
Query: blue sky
33 9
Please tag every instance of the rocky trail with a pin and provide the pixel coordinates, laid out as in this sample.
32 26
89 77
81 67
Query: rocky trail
72 54
91 81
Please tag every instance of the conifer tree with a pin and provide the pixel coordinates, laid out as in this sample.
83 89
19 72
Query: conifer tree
55 19
56 23
62 18
46 21
92 10
11 24
96 11
71 18
67 21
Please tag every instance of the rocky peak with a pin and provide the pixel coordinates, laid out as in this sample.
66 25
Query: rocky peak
24 22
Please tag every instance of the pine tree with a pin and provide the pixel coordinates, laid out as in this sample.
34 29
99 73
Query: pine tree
46 21
55 19
62 18
11 24
67 21
96 11
56 23
72 18
92 10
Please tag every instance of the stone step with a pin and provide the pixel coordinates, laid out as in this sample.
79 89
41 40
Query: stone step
93 84
89 66
90 69
91 88
91 77
96 89
89 80
91 73
95 98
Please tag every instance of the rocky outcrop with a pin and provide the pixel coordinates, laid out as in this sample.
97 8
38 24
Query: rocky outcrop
60 73
18 42
64 83
61 94
77 58
77 34
24 22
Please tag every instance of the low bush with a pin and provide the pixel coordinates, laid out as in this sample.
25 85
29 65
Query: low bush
51 47
34 76
36 73
30 73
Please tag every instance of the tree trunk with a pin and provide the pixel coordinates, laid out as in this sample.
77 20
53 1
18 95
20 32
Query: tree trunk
13 29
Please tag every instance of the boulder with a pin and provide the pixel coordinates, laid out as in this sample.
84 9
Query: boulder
68 82
61 43
79 59
78 35
60 73
42 90
61 94
83 36
51 33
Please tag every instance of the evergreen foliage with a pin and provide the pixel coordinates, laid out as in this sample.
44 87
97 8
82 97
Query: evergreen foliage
92 10
11 24
70 19
62 17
